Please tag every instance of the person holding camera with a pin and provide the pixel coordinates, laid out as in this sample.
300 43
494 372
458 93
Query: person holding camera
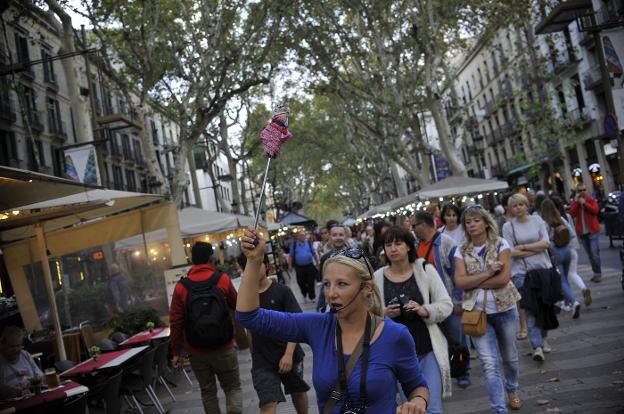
584 210
358 355
416 297
483 271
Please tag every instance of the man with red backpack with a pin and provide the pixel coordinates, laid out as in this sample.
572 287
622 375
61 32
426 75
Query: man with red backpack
201 321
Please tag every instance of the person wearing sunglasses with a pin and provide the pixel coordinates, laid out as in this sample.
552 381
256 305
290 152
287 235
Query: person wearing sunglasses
355 325
415 296
483 271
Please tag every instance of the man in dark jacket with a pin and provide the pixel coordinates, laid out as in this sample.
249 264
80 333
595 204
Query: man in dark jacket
221 360
584 210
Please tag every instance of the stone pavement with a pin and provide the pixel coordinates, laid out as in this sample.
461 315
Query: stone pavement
583 374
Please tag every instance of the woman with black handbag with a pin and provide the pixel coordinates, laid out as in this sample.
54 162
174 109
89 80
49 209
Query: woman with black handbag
528 236
483 271
415 296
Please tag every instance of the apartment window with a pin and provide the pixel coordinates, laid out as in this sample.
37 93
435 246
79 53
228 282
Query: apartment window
58 161
469 90
114 145
8 148
96 97
494 63
480 77
21 45
487 71
154 130
125 146
578 91
138 154
108 103
143 182
48 67
32 160
54 116
117 178
130 180
122 106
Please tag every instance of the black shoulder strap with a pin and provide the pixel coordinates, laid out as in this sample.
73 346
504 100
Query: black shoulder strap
205 284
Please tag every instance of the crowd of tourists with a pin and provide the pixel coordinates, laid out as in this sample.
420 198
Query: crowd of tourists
401 305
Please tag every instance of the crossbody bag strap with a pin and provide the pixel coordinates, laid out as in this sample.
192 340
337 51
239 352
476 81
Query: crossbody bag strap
426 257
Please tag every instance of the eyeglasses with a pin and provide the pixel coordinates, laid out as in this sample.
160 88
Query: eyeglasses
354 253
580 190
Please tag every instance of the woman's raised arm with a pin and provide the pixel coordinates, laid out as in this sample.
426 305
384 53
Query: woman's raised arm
248 296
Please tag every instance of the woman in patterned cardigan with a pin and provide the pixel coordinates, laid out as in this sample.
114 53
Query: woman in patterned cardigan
483 271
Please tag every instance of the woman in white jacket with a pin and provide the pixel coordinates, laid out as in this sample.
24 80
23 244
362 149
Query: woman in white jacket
414 295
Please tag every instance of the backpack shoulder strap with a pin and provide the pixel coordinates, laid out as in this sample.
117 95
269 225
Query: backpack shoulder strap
205 284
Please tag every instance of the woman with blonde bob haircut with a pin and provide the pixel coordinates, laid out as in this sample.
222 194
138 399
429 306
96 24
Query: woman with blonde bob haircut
353 325
483 271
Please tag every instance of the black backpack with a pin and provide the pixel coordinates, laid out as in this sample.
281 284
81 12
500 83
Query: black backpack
207 320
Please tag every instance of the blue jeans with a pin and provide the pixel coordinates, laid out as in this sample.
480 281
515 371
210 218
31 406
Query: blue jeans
502 329
592 248
536 334
431 371
563 255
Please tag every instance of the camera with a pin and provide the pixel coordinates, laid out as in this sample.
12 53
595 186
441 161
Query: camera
350 408
403 300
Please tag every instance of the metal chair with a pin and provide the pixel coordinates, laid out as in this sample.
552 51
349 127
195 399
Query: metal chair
63 365
133 383
119 337
106 345
163 366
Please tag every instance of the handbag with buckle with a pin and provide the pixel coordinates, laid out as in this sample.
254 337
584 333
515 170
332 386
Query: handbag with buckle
475 321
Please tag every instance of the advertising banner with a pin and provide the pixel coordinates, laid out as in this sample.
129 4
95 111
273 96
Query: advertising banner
81 165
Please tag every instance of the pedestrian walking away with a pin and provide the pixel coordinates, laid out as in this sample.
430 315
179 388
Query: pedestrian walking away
415 296
201 322
584 210
274 362
381 352
484 273
561 235
302 258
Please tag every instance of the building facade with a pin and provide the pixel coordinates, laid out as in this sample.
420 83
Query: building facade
530 110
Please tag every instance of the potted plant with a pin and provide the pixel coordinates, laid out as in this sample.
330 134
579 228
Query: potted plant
94 351
150 326
35 384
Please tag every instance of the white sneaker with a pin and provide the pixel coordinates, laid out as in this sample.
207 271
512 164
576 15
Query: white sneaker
577 310
538 355
547 348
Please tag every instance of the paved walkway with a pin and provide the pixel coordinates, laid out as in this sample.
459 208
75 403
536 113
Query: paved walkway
583 374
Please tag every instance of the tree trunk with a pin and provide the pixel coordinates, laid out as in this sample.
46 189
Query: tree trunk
446 140
193 172
151 158
232 165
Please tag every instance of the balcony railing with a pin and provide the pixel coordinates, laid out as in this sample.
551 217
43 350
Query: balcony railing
34 120
497 135
563 61
58 128
592 77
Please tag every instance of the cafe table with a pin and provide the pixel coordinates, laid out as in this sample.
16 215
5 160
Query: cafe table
104 361
147 336
47 399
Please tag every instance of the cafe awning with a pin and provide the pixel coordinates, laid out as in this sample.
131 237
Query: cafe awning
454 185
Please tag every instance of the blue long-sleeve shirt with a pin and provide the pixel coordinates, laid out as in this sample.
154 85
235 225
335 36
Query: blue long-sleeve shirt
392 356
